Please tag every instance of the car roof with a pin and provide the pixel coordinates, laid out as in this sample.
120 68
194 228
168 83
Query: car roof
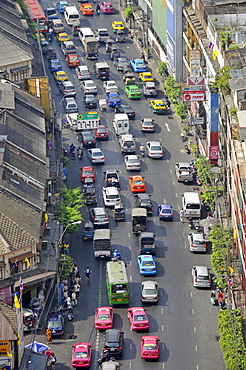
146 257
82 68
99 210
197 237
68 83
149 83
165 206
202 270
68 43
111 190
94 150
154 142
139 212
127 136
109 365
149 284
70 99
147 235
113 334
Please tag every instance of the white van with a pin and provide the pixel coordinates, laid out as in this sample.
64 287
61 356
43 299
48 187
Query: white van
71 15
85 32
121 123
57 26
191 204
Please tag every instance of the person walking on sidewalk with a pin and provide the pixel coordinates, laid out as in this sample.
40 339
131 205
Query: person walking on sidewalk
49 335
77 289
53 361
181 215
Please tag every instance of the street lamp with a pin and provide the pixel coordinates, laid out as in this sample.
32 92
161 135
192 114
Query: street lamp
72 223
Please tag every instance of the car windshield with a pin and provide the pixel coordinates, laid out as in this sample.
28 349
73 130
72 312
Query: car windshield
202 277
140 317
103 33
159 104
57 63
111 84
80 354
103 317
147 241
107 5
112 196
149 346
149 291
164 210
140 64
147 263
155 147
148 123
87 172
72 105
73 58
97 154
101 130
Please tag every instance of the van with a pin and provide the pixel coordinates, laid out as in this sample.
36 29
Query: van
121 123
57 26
127 144
102 70
71 15
85 32
191 204
70 105
102 243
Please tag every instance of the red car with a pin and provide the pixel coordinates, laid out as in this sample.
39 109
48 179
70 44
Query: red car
104 317
87 171
137 184
101 133
150 347
81 355
138 318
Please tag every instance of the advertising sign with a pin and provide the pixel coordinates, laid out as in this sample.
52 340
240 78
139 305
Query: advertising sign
6 295
214 152
195 81
193 96
4 347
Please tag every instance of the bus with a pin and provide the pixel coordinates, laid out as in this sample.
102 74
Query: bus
117 283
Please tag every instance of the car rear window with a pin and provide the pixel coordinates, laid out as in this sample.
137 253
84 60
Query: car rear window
203 277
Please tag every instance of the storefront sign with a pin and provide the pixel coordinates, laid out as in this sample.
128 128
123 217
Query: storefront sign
193 96
195 81
4 347
214 152
6 295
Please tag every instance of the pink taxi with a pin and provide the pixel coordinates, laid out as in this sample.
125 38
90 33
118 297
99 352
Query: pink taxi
107 8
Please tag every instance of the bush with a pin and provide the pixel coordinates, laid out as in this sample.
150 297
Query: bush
162 69
180 110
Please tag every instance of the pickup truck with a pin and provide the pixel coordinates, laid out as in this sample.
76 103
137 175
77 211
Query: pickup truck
183 172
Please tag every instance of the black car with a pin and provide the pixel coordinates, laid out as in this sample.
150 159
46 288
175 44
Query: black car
126 109
147 243
90 101
143 200
87 139
114 342
122 64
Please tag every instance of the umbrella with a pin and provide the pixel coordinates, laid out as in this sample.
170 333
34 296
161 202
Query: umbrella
37 347
209 222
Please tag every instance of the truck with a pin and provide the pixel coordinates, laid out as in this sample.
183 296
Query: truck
90 45
184 172
102 243
87 121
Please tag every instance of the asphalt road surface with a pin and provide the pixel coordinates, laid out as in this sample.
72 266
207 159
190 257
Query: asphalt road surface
184 318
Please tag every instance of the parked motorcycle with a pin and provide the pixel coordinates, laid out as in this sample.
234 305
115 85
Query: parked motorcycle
187 149
183 136
213 299
191 223
70 314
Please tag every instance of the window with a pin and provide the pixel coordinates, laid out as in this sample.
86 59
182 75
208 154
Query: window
26 265
1 272
14 77
23 74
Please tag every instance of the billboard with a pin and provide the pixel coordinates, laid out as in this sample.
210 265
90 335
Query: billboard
193 95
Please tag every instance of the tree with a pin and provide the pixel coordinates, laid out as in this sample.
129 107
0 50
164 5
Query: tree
222 78
129 13
65 266
162 69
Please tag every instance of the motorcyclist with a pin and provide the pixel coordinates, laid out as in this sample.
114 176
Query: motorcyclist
72 147
80 151
116 254
98 8
142 148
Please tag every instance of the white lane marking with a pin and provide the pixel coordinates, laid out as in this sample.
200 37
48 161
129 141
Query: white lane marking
171 171
162 310
130 278
194 329
176 195
197 367
130 365
191 294
162 327
129 235
168 129
130 263
173 183
193 311
154 221
164 201
196 348
130 247
163 365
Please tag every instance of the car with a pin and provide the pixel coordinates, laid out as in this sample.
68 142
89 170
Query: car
143 200
99 216
61 6
111 178
147 243
122 64
132 162
90 101
67 88
70 105
82 72
149 89
137 184
50 13
102 34
72 60
201 277
101 133
96 155
81 355
138 65
154 149
55 321
158 106
107 8
87 171
68 47
165 212
133 92
111 196
146 77
110 86
87 140
120 36
104 317
127 143
138 318
196 242
149 292
88 87
87 9
117 25
127 109
115 53
147 125
150 347
114 342
113 99
184 172
51 53
146 264
110 365
62 36
55 65
60 76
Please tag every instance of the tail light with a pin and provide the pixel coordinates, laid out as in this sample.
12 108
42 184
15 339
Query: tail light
192 245
119 348
205 245
196 280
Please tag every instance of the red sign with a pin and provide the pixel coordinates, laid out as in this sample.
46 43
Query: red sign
194 95
195 81
6 295
213 152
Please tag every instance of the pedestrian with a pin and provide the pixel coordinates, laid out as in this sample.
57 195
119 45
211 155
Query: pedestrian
77 278
142 56
48 353
53 361
181 215
68 302
73 299
77 290
75 270
49 335
71 290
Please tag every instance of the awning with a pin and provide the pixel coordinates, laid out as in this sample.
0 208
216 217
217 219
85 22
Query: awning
33 361
2 264
34 279
18 69
21 257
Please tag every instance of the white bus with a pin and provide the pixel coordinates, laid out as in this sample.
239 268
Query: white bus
71 15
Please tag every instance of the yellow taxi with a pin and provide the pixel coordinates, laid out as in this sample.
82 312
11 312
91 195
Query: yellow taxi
63 36
41 37
158 106
146 76
60 76
117 25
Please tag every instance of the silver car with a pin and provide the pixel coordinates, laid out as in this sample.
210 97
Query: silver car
110 86
95 155
88 87
197 242
149 291
132 162
83 73
201 277
70 105
154 149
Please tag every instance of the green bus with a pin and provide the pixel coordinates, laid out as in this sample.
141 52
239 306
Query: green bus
117 283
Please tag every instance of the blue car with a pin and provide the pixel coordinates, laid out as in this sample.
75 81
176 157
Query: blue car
50 13
146 264
113 99
55 321
61 6
55 65
165 212
138 65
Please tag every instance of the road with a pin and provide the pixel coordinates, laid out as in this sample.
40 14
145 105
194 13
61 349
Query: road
184 318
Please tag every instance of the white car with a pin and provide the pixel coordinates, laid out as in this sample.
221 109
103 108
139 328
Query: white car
127 144
110 86
196 242
83 73
149 291
154 149
201 277
111 196
88 87
102 34
132 162
95 155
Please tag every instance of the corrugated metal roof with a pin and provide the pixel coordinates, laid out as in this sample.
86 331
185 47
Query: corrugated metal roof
8 322
12 54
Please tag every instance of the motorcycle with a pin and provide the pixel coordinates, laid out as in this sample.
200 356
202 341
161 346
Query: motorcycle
198 227
70 314
80 153
116 256
98 11
64 152
183 136
187 149
105 357
191 224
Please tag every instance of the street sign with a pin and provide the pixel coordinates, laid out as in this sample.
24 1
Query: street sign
215 170
213 152
87 116
194 95
195 81
198 121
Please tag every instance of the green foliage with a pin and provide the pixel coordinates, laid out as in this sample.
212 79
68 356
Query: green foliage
203 170
67 210
222 80
172 89
180 110
65 161
208 196
65 266
129 11
233 112
231 339
162 69
233 47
